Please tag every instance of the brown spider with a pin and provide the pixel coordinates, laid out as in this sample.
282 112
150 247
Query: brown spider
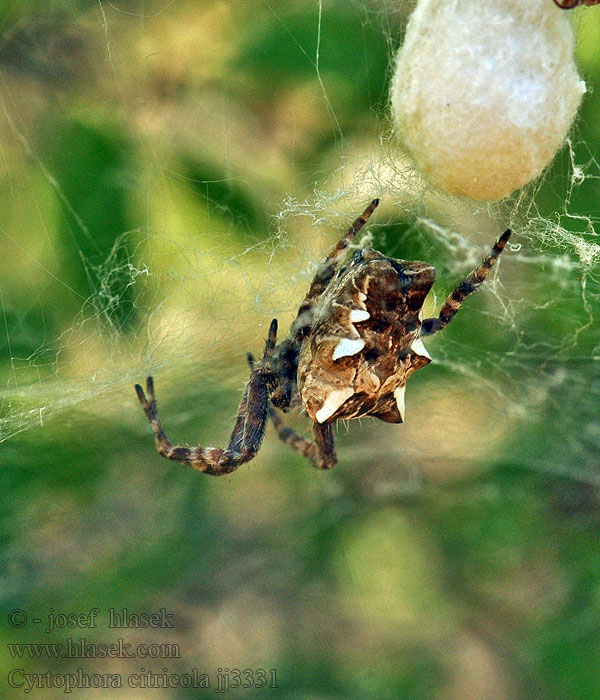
354 343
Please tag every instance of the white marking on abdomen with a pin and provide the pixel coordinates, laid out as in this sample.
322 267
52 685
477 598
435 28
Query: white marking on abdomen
358 315
347 347
418 347
333 401
399 396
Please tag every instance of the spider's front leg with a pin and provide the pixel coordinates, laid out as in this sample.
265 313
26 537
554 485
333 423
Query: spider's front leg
327 270
247 433
470 284
321 452
329 266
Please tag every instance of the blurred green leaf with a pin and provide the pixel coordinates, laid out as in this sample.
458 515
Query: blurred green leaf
283 50
91 164
227 195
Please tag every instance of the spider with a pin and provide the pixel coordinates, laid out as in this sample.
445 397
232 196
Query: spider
354 343
571 4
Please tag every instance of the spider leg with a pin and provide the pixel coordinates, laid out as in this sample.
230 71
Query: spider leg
321 452
470 284
328 267
247 434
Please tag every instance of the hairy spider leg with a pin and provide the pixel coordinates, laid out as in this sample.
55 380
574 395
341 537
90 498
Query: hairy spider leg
470 284
327 270
247 433
321 452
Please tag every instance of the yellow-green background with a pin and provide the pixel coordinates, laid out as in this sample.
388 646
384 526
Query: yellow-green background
148 149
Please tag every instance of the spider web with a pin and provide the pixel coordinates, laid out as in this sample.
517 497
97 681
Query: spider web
171 176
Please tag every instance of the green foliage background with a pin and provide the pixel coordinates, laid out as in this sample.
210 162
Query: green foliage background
438 560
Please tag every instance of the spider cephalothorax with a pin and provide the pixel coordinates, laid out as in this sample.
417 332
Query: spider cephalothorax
354 343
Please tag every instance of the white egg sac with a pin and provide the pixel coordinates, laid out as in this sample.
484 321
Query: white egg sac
484 92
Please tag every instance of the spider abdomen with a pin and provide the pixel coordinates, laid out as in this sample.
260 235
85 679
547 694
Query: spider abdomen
364 341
